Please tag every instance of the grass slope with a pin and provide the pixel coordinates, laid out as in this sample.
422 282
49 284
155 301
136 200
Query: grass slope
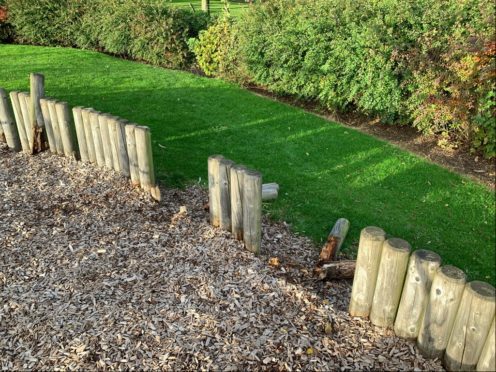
325 170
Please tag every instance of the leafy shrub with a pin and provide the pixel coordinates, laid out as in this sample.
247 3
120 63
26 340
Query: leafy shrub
6 30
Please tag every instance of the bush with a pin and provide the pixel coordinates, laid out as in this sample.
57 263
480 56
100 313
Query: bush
427 64
6 30
146 30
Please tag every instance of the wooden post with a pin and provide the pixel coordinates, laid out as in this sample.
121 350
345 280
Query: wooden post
7 123
55 126
48 125
66 129
487 358
334 242
214 189
439 315
145 157
132 154
105 134
225 194
473 319
122 148
88 134
367 267
97 138
392 269
205 6
25 102
237 172
37 86
114 148
270 191
21 129
252 210
422 268
81 137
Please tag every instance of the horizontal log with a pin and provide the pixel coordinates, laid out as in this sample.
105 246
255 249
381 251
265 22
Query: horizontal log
344 269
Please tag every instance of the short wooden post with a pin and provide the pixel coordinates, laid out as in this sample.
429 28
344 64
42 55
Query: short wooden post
25 102
214 189
252 210
37 86
422 268
367 267
52 109
7 123
270 191
473 319
66 129
390 278
236 174
105 134
132 154
88 134
439 315
21 129
145 157
97 138
81 137
225 193
487 358
122 148
48 125
112 122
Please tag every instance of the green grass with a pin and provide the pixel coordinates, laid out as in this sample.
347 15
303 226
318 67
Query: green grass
325 170
216 6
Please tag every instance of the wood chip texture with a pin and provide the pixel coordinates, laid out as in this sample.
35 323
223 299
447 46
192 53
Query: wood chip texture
96 275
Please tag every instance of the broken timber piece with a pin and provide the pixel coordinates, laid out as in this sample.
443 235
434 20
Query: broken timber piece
344 269
270 191
334 240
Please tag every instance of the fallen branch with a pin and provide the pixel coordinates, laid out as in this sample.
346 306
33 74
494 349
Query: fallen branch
336 270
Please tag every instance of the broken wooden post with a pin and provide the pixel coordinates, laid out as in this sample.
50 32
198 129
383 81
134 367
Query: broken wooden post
52 109
81 136
487 358
237 172
335 240
21 129
422 268
252 210
37 91
225 194
132 154
66 130
473 319
367 267
48 125
7 123
214 189
390 278
440 311
105 135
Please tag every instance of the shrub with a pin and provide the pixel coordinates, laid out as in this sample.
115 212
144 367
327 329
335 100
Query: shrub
6 30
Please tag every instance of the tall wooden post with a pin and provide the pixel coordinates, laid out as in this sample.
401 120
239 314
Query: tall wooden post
57 135
105 134
252 210
237 172
225 194
145 157
48 125
37 85
81 137
132 154
88 135
66 130
97 138
214 189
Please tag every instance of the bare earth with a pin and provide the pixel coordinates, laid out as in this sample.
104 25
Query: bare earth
95 275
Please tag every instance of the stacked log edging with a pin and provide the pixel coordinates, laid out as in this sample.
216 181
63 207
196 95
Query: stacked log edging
235 200
106 141
421 300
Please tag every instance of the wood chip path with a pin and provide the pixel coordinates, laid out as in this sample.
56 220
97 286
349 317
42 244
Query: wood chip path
95 275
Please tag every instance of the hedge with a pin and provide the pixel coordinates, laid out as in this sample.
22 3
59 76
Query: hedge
427 64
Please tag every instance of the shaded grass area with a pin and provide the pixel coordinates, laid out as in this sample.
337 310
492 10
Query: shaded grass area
325 170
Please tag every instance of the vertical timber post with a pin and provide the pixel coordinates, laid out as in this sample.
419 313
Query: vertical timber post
225 194
7 123
66 130
252 210
97 138
214 189
132 154
237 176
37 91
487 358
21 129
48 125
56 127
105 134
81 137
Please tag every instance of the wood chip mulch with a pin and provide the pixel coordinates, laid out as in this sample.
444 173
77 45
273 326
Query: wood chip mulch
95 275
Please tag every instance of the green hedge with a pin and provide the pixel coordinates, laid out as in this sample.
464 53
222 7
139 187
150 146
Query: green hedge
423 63
145 30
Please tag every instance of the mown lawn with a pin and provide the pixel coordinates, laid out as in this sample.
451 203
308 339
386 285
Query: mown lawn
325 170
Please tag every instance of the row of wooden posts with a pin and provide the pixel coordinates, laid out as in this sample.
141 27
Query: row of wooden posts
421 300
33 123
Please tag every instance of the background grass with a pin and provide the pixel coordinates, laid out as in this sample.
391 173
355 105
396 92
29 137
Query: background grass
325 170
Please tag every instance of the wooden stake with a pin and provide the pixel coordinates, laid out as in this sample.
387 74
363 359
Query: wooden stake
7 123
422 268
439 315
66 130
236 175
367 267
487 358
114 148
122 148
390 278
57 135
252 210
334 240
88 134
21 129
48 125
145 157
214 189
37 85
80 135
25 102
225 194
97 138
105 135
473 319
132 154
